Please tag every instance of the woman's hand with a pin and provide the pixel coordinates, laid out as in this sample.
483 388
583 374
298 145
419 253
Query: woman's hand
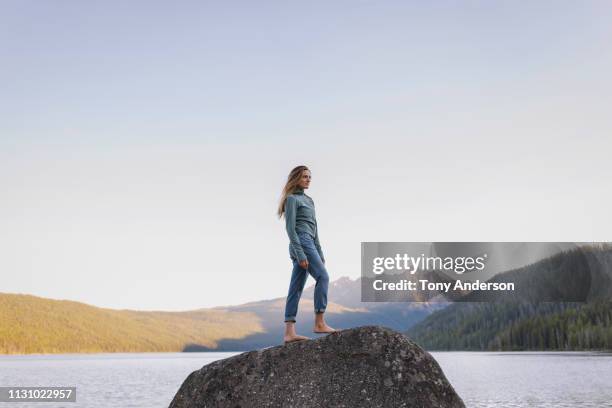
304 264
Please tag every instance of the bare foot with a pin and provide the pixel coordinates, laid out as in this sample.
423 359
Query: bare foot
294 337
323 328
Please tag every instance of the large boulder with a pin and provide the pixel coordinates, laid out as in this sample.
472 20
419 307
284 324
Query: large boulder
369 366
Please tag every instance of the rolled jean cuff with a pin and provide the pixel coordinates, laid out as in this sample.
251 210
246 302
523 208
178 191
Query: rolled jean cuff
290 319
320 311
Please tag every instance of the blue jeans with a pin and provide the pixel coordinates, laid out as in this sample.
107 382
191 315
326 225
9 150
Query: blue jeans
316 268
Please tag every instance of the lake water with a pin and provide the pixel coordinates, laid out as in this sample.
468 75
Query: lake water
149 380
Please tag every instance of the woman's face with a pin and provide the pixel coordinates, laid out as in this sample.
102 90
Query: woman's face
305 179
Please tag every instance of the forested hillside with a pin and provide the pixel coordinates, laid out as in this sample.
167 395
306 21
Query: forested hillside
516 324
543 326
30 324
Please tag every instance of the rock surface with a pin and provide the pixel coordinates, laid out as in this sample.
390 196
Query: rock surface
368 366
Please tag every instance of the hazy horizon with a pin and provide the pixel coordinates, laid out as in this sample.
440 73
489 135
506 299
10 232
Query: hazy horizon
144 145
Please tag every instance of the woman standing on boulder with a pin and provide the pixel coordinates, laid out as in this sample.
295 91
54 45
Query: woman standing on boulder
304 251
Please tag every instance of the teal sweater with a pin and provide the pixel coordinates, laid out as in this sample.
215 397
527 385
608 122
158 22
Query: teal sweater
300 216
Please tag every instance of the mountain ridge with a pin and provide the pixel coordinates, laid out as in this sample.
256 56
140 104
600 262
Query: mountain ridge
32 324
523 323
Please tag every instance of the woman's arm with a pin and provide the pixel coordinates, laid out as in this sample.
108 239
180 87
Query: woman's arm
318 244
290 211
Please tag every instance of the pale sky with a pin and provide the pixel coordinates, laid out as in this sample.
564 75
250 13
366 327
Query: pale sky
144 145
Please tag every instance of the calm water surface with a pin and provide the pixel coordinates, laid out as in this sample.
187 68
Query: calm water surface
149 380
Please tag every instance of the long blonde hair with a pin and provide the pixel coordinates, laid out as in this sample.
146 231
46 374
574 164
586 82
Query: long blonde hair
292 183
